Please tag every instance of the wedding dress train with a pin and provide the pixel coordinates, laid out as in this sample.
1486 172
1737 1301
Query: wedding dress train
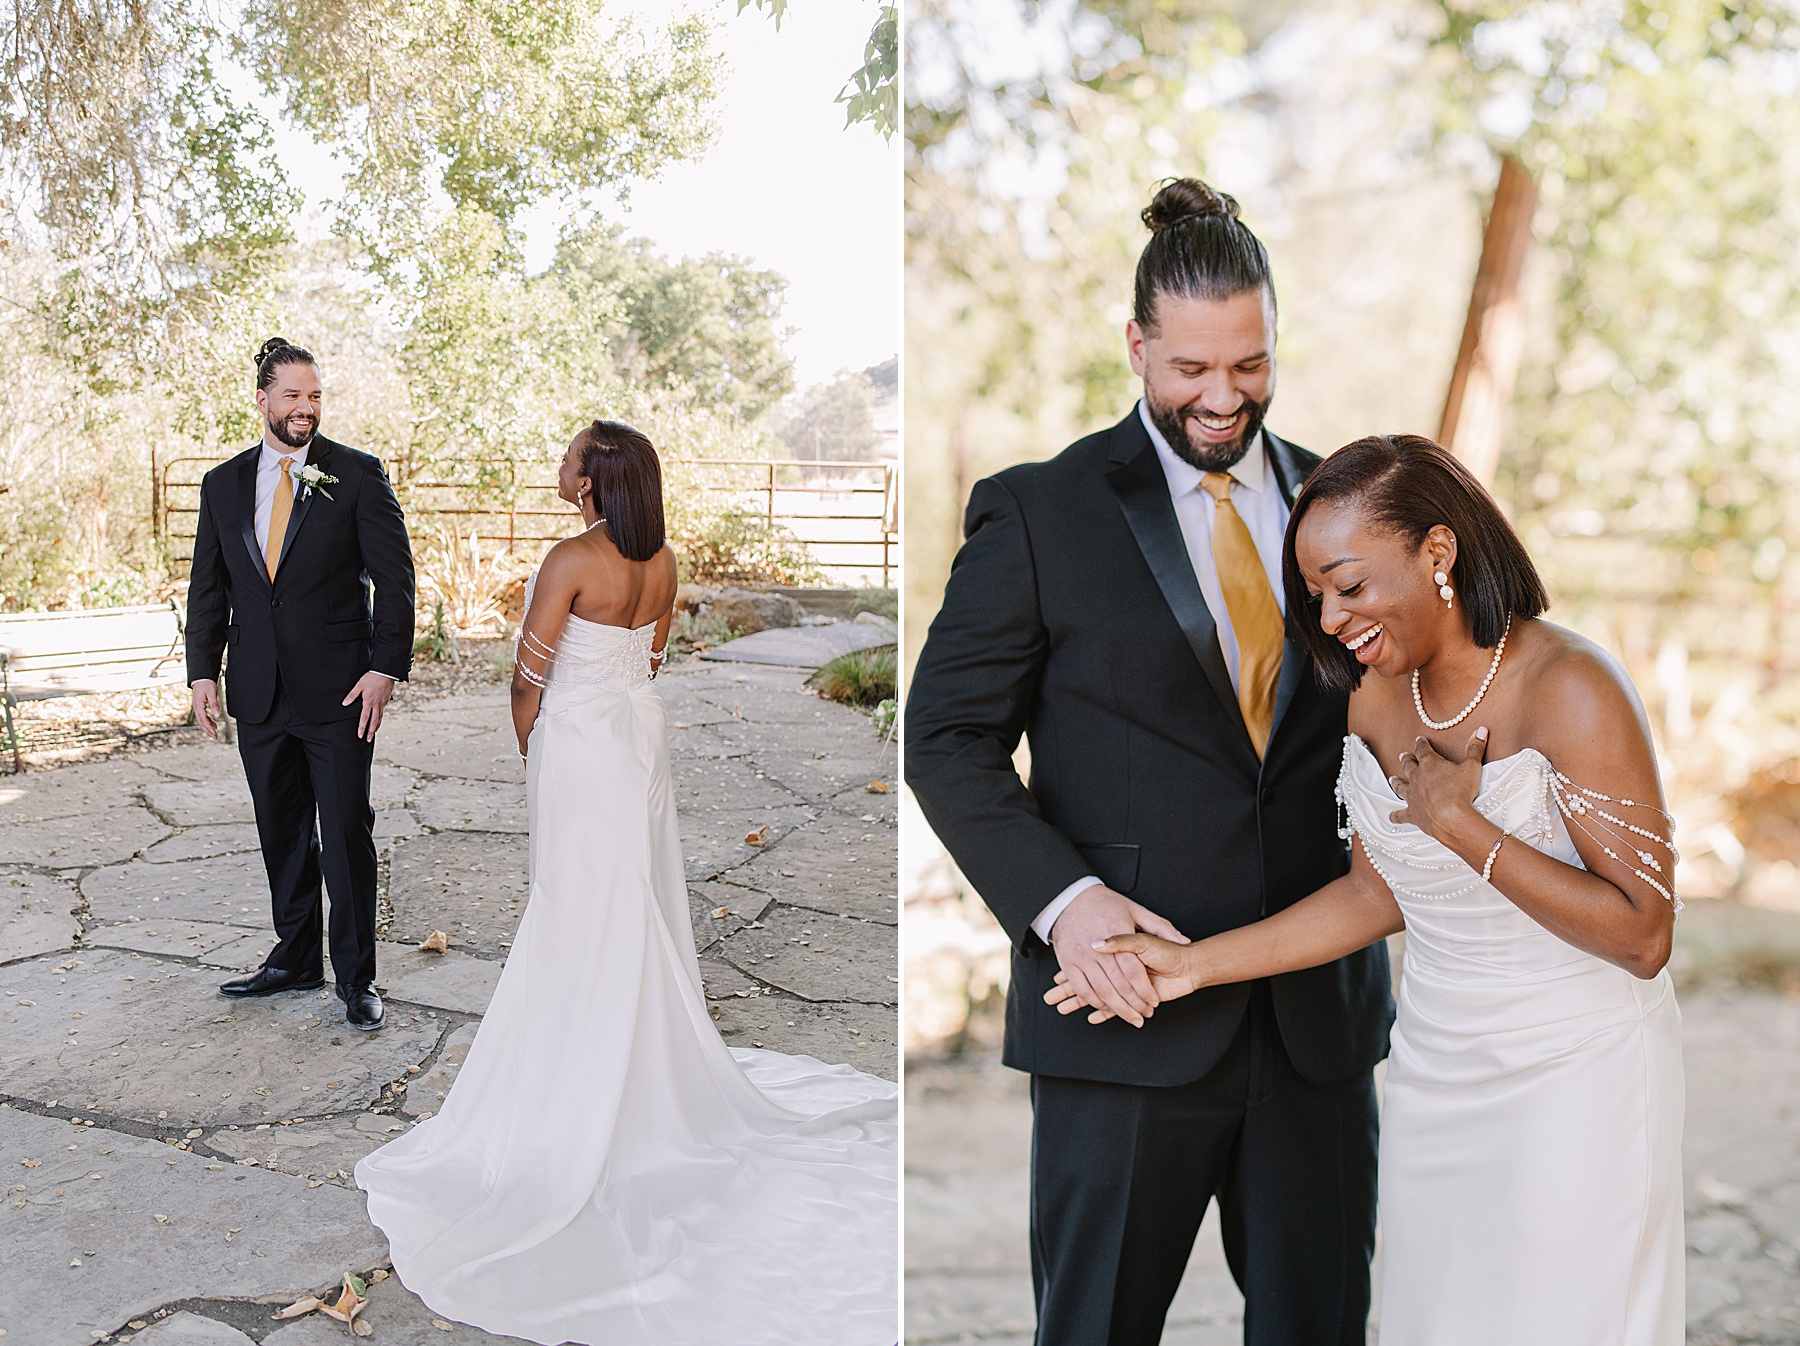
1530 1180
606 1169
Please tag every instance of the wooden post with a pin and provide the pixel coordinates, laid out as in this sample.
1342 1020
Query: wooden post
1487 365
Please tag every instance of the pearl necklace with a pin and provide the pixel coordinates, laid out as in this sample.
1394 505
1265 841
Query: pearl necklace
1481 691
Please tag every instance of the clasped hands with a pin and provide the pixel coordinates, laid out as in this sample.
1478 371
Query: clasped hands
1112 954
1438 792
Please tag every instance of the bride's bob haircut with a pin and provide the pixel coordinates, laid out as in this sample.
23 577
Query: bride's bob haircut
1407 484
627 483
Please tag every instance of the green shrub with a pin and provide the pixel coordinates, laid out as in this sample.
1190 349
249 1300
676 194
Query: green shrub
859 678
718 547
881 602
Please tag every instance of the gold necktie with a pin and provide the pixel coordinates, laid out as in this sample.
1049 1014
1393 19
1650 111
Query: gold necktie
1255 616
283 505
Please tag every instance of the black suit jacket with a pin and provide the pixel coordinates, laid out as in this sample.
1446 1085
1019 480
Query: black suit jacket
1073 616
316 626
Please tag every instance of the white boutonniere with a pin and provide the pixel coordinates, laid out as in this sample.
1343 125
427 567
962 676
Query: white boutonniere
311 478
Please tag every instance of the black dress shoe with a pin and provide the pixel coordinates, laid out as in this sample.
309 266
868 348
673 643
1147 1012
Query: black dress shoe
362 1007
270 981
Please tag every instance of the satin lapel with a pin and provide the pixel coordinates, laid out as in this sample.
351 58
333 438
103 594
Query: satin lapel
1143 494
246 497
1291 473
303 499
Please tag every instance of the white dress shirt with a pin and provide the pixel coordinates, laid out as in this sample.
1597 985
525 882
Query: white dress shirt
268 477
1256 496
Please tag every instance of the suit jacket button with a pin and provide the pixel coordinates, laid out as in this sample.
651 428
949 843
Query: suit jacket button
277 603
1268 795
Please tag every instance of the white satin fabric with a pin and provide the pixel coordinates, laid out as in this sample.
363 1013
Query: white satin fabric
606 1169
1530 1180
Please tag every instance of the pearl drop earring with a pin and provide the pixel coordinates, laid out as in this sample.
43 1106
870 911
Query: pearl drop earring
1445 592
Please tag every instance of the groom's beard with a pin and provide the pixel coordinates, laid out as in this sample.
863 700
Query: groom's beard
1204 454
295 430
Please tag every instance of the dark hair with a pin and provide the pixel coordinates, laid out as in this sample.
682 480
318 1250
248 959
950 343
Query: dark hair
273 354
1407 484
622 464
1198 249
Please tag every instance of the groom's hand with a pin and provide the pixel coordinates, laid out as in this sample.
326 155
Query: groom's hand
1112 981
206 707
375 691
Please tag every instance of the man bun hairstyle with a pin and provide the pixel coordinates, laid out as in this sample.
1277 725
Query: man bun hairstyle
273 354
1408 484
1198 249
627 484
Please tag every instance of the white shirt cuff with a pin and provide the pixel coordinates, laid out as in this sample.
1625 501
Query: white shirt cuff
389 676
1046 918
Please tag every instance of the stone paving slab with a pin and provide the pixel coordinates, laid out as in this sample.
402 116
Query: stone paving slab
80 840
233 889
820 1031
182 939
470 806
327 1150
469 885
189 1329
437 749
448 981
398 1316
36 916
72 791
800 646
287 1234
206 1060
818 957
842 869
204 843
187 803
425 1093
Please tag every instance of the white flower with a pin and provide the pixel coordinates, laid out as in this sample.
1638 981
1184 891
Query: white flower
310 476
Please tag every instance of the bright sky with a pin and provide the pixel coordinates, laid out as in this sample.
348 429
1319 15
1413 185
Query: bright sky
785 183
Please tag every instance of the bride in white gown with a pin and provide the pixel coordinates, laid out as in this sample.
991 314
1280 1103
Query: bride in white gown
606 1169
1530 1170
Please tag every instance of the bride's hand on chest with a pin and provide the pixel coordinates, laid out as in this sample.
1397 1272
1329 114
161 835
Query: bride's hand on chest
1437 791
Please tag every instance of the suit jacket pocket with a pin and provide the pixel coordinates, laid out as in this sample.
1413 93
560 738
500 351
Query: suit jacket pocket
339 632
1115 863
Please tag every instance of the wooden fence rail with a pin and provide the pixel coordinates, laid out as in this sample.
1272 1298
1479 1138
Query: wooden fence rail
846 514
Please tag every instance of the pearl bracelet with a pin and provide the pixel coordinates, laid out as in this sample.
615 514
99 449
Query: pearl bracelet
1488 868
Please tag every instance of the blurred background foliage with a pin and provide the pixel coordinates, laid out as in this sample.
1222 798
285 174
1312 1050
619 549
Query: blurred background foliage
1648 459
151 234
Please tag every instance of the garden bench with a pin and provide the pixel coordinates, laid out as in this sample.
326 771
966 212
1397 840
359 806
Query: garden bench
51 654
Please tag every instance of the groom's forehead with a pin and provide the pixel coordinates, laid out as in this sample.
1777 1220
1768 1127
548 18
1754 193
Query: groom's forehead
1234 328
299 377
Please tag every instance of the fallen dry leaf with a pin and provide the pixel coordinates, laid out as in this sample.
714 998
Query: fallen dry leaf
161 1219
719 913
300 1307
350 1303
29 1004
442 1326
436 942
361 1328
378 1275
875 787
758 837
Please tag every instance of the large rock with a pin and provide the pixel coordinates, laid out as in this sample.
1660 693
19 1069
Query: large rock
746 612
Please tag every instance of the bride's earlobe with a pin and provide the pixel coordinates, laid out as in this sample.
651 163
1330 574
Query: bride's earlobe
1445 592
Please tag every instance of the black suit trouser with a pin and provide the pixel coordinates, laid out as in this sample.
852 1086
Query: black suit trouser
303 772
1121 1175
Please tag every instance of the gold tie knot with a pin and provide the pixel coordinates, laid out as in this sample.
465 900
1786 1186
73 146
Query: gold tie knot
286 465
1217 485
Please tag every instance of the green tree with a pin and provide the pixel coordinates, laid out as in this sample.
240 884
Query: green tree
710 324
833 420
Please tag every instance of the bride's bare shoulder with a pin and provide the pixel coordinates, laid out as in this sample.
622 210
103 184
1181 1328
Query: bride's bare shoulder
1578 691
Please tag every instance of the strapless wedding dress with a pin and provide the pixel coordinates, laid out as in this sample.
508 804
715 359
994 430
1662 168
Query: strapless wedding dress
1530 1181
606 1169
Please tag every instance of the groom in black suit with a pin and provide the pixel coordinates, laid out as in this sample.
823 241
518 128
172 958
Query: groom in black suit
293 533
1120 605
